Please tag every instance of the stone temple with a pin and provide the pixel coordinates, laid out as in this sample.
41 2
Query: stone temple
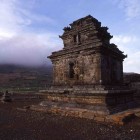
87 74
87 58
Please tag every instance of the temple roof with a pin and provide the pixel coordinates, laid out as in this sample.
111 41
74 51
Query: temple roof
84 34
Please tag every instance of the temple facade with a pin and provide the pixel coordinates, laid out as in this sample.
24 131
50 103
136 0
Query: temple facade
88 57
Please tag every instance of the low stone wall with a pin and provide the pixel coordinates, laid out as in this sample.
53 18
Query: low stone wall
136 86
24 97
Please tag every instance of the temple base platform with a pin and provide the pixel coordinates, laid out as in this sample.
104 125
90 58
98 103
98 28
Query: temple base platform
99 104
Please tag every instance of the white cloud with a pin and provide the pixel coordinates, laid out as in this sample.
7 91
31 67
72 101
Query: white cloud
132 64
9 24
124 39
130 46
4 33
15 18
130 7
34 17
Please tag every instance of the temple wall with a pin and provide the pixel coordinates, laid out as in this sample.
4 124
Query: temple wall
111 70
92 71
86 70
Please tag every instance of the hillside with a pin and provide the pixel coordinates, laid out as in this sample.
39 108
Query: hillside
21 76
131 77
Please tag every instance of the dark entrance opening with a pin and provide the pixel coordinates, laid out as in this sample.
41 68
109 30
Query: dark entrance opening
71 70
77 38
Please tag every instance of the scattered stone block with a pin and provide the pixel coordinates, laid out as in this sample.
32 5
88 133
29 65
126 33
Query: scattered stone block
6 97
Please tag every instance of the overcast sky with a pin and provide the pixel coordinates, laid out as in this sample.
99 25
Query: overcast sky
29 29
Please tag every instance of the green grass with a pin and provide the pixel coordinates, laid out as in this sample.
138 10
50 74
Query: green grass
21 89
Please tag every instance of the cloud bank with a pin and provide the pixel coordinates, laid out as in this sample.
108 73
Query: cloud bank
28 49
19 45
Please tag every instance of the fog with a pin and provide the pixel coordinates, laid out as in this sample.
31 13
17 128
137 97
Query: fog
29 49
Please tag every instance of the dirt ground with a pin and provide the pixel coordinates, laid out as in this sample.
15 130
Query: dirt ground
16 124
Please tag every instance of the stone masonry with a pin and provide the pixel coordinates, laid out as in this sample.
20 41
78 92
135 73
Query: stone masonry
87 57
87 74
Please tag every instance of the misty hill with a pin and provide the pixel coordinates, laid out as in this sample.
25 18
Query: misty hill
22 76
131 77
14 68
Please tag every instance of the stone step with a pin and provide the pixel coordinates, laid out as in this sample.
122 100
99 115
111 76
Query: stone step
105 100
124 116
117 118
